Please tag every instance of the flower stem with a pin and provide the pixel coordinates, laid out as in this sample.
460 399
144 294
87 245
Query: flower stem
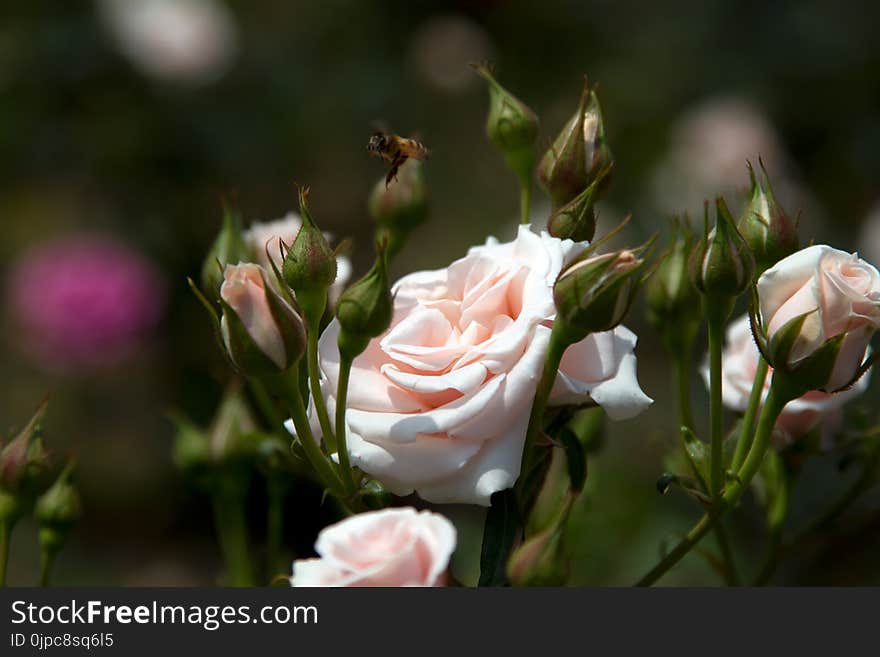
555 350
47 560
229 515
275 490
525 199
315 384
748 422
776 400
716 409
341 433
267 406
682 378
289 389
5 536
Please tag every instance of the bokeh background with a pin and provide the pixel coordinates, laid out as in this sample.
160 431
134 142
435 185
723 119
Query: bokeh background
124 123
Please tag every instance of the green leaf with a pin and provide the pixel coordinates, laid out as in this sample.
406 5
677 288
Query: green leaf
501 530
697 456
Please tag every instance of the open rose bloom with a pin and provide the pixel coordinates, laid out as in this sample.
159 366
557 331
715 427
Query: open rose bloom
842 294
440 403
739 363
393 547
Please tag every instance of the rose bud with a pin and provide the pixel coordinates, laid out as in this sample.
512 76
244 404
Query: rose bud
540 559
310 265
229 247
57 510
673 302
24 459
400 208
721 265
263 335
578 154
511 126
364 309
765 226
594 293
576 220
819 308
392 547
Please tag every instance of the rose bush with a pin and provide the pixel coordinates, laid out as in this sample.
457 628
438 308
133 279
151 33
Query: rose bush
393 547
739 363
840 292
440 403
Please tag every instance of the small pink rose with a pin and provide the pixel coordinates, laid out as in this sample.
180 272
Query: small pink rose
842 293
392 547
739 363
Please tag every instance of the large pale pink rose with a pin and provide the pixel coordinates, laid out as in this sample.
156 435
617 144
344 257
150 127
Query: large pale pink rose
840 290
262 238
739 363
244 290
392 547
440 403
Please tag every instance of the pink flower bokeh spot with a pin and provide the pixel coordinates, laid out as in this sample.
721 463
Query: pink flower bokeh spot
83 302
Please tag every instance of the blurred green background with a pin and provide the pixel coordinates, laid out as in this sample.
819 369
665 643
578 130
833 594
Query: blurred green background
109 128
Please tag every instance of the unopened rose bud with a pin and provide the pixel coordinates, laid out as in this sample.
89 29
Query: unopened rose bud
400 208
594 294
511 126
578 154
23 460
262 333
229 247
765 226
819 308
576 220
310 265
721 265
57 510
673 302
540 559
364 309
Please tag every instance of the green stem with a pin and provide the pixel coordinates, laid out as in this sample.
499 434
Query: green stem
315 385
5 536
275 490
716 409
267 406
555 350
47 560
776 401
682 377
289 389
748 421
229 513
731 576
525 199
341 432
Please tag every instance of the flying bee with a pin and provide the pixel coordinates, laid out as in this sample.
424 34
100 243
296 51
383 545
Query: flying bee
396 150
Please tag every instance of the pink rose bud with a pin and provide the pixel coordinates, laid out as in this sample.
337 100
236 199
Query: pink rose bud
262 333
393 547
23 459
819 308
578 154
595 293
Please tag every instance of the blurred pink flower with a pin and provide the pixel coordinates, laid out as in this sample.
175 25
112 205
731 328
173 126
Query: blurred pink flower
83 302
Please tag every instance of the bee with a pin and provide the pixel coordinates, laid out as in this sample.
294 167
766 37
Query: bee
396 150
